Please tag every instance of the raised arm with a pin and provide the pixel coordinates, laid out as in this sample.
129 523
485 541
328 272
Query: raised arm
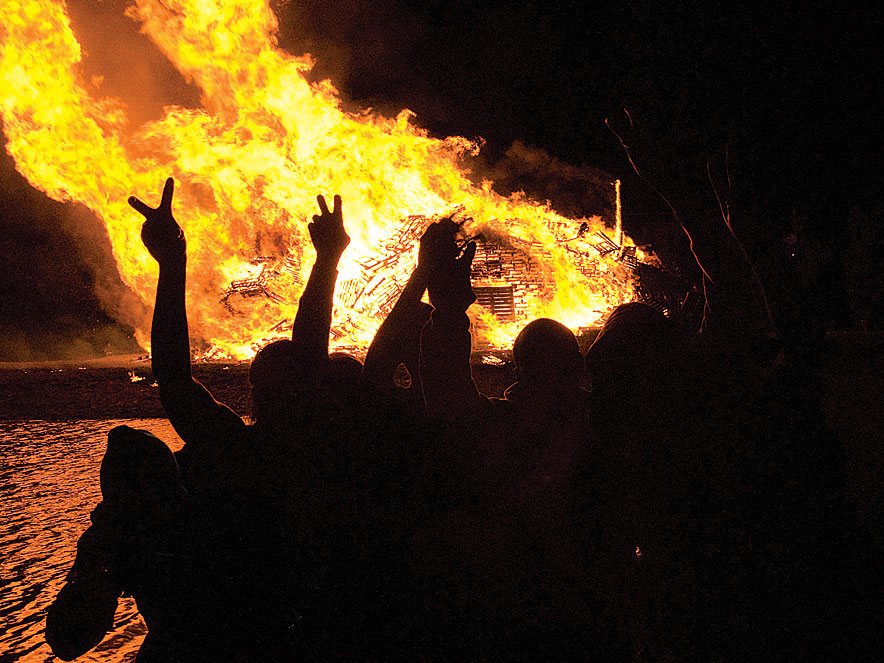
191 409
449 390
313 319
397 341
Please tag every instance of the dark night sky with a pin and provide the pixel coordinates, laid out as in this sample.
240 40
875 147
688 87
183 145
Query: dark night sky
790 93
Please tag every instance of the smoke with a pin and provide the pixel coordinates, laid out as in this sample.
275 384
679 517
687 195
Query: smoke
67 340
363 48
572 191
63 296
94 251
61 293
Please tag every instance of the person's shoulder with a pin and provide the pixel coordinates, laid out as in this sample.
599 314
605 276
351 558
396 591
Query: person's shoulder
216 444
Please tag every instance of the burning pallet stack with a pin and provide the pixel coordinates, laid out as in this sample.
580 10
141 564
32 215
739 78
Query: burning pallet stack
261 284
373 294
507 277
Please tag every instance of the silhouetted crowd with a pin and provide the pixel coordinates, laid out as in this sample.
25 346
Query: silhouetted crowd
669 496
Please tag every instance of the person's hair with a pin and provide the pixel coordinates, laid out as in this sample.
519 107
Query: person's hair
138 463
275 363
344 370
637 342
285 381
546 349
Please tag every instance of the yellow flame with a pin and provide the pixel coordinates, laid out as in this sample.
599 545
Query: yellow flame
248 166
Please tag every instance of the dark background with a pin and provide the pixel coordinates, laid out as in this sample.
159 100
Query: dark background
782 99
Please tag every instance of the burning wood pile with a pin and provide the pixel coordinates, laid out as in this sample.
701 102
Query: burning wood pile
384 275
262 283
508 277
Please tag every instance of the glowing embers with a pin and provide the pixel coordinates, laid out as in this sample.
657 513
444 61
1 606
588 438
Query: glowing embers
261 281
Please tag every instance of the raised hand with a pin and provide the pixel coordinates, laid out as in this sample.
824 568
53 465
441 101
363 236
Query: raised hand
438 245
448 275
327 231
160 233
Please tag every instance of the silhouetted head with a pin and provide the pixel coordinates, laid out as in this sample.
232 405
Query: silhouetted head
546 352
343 376
637 350
284 381
344 370
138 472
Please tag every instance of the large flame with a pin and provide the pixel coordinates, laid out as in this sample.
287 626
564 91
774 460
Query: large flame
248 166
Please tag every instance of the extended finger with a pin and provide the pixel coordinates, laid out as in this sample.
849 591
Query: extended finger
139 206
168 190
469 253
337 201
323 207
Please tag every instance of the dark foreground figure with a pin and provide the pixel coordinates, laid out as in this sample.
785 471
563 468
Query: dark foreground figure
140 544
689 507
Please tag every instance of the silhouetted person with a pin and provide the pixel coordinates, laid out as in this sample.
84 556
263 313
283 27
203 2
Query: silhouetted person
393 474
139 544
714 464
260 492
515 573
638 473
527 436
397 341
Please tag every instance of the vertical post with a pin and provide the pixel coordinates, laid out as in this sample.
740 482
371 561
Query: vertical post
618 213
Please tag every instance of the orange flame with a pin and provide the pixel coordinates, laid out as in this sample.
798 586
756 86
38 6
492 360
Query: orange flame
248 166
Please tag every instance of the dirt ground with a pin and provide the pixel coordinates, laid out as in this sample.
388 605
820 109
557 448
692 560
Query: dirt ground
123 387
